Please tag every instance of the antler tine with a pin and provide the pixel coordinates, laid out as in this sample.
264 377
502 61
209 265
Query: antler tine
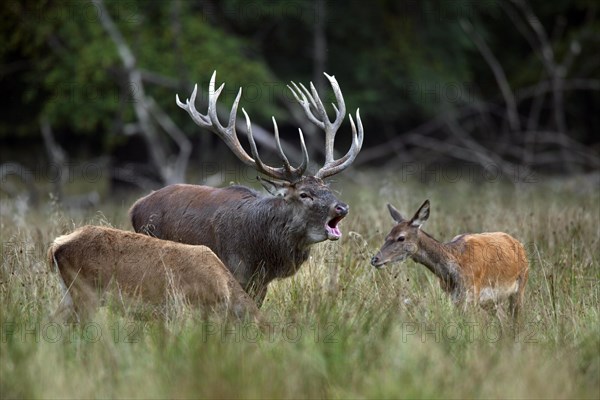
302 167
287 173
295 172
211 120
341 113
331 128
189 106
306 103
318 103
309 95
233 113
260 166
213 97
344 162
286 162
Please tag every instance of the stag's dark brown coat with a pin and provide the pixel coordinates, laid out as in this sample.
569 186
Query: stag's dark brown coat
258 237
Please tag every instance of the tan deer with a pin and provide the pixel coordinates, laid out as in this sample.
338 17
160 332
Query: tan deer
258 237
93 259
473 267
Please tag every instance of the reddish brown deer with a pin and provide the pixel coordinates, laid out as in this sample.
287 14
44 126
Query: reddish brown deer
93 259
473 267
258 237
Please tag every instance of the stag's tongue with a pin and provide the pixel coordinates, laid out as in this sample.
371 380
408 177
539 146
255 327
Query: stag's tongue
333 231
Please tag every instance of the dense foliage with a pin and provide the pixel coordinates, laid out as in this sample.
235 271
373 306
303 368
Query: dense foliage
402 62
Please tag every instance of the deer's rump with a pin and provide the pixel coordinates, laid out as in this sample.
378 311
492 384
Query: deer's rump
140 265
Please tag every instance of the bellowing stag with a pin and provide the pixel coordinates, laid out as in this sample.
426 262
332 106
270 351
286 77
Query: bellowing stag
258 237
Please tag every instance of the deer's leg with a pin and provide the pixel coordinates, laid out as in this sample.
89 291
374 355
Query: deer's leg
516 299
79 294
514 306
257 286
66 309
245 309
259 294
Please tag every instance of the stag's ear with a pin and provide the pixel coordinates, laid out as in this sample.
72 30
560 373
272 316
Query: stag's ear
396 216
273 187
421 215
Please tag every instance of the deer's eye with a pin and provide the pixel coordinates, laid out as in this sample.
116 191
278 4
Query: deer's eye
400 239
304 195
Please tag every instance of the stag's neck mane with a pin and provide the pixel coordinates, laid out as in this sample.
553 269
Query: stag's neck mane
438 258
284 248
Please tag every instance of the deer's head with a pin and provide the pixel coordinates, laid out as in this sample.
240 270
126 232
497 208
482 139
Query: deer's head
402 241
317 211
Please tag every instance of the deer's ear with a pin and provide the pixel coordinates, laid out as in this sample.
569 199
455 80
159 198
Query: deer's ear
273 187
421 215
396 216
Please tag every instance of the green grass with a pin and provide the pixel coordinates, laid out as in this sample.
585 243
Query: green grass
341 328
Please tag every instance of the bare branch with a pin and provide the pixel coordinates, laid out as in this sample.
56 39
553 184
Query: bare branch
319 45
185 146
498 71
57 157
169 173
129 174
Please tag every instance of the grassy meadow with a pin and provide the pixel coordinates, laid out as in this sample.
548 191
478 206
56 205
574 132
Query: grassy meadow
340 328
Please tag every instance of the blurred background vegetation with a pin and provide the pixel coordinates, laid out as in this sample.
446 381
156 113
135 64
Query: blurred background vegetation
505 85
472 97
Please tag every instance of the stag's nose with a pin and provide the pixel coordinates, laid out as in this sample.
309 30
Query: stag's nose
374 261
342 209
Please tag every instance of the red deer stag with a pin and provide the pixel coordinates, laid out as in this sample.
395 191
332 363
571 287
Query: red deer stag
258 237
473 267
93 259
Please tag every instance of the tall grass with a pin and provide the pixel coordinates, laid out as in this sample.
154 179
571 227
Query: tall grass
340 328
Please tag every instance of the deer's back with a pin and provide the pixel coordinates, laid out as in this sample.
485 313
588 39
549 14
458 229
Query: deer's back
187 213
143 266
493 259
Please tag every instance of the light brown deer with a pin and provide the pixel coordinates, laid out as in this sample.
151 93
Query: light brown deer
93 259
473 267
258 237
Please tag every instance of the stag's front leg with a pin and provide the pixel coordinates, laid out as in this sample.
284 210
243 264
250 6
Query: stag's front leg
259 296
257 291
257 285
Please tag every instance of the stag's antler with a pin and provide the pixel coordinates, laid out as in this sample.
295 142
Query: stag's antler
310 99
307 100
229 136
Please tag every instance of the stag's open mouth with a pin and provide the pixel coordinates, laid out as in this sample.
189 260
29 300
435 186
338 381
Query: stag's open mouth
333 231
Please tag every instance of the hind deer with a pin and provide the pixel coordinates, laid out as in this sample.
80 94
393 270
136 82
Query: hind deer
258 237
92 259
473 267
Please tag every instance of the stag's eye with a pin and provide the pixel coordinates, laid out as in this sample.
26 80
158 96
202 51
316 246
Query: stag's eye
304 196
400 239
